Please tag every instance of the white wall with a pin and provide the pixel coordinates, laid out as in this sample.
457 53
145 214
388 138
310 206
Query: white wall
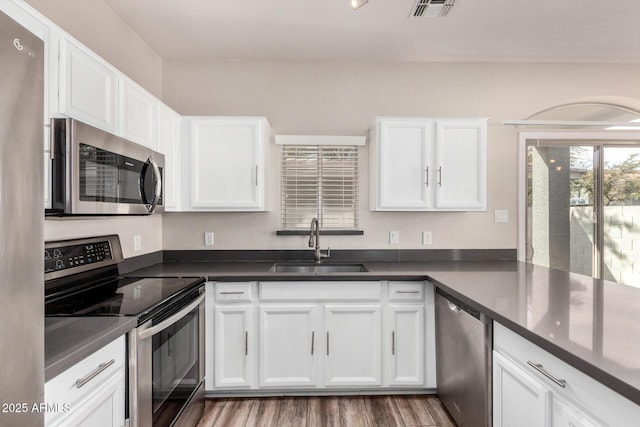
340 98
148 228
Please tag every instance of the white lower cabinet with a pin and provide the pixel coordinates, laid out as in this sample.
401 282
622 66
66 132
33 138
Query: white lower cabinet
518 399
92 392
233 355
567 415
404 350
288 345
353 345
320 335
526 395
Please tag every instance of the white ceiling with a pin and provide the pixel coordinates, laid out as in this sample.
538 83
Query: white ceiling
484 30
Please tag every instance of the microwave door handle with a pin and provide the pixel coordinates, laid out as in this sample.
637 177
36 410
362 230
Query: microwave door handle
147 333
158 192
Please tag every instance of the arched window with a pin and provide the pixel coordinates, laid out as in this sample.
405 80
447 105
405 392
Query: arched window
580 195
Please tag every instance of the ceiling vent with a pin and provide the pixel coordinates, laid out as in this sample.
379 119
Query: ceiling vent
431 8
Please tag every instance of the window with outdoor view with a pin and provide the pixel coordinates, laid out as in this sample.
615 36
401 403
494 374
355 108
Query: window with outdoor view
320 181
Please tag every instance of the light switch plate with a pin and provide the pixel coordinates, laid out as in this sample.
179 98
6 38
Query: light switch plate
426 237
137 243
208 238
501 215
394 237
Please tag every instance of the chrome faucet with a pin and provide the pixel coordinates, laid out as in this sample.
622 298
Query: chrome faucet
314 241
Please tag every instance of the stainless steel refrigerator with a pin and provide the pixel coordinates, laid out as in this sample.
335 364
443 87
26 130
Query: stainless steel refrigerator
21 225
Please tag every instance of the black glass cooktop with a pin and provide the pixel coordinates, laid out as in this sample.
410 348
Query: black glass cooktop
127 296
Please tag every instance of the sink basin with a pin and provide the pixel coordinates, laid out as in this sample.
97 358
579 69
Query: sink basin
317 268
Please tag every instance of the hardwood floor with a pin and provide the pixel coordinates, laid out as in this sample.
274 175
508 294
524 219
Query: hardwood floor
335 411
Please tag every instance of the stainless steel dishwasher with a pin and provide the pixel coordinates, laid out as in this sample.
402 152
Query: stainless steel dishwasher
463 361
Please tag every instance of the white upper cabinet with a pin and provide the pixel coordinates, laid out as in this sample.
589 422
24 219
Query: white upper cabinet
88 86
137 114
423 164
168 137
226 163
461 160
402 160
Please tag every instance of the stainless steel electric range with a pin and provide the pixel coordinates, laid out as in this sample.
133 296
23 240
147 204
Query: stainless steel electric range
165 350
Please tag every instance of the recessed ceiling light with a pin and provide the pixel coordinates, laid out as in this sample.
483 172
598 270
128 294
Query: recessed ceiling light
356 4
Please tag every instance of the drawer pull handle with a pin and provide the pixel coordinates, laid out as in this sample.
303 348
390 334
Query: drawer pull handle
232 293
101 367
407 292
538 367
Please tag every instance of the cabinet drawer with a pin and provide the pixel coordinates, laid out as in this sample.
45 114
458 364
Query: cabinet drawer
320 291
580 389
406 291
230 292
92 372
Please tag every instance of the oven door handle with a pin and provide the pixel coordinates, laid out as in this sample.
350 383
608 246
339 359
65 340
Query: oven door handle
149 332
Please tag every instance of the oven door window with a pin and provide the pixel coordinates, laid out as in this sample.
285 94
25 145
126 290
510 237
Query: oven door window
175 367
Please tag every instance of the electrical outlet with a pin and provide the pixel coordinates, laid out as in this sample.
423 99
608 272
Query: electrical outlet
137 243
426 237
394 237
501 215
208 238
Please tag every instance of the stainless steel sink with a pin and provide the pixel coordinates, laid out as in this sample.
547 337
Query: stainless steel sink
317 268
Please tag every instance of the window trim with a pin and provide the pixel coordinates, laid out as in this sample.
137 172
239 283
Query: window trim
557 135
316 143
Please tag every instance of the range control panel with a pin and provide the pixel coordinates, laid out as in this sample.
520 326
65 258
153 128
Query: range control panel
64 257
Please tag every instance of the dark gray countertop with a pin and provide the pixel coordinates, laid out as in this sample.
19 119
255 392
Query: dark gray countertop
68 340
591 324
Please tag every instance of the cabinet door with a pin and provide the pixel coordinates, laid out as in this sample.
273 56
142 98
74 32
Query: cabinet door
168 137
137 114
567 415
232 353
103 407
88 87
404 349
461 164
288 346
518 399
352 345
226 164
403 154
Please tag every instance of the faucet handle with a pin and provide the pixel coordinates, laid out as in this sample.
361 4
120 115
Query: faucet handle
327 255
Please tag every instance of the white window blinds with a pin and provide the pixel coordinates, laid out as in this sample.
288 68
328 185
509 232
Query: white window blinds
319 181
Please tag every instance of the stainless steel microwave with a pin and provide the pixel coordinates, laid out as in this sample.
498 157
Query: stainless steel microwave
96 173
